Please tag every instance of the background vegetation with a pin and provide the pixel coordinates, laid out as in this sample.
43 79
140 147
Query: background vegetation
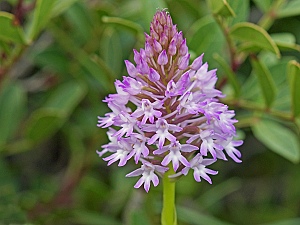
59 59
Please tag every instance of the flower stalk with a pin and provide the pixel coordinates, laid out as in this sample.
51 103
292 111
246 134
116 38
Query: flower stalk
168 215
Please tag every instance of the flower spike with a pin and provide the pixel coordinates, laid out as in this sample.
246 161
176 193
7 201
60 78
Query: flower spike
166 114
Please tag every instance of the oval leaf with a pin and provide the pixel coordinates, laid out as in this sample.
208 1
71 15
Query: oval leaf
42 124
10 210
42 14
278 138
94 65
266 81
293 221
92 218
287 46
191 216
45 121
12 107
9 31
61 6
255 36
292 8
221 8
293 73
286 42
111 50
241 9
218 192
66 97
53 58
78 17
210 43
288 38
125 23
229 73
148 9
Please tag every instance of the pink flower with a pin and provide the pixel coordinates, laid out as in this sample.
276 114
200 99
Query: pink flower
147 171
166 113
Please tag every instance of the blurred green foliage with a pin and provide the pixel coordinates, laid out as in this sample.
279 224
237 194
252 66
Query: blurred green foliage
58 61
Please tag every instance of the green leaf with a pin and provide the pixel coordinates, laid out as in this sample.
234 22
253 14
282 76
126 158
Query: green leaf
60 6
111 50
292 8
43 123
294 221
277 67
269 59
284 38
210 43
18 146
241 9
263 5
218 192
78 16
10 209
229 73
135 27
286 41
93 65
149 8
195 217
221 8
250 89
138 217
41 16
4 47
46 121
12 107
278 138
93 218
293 73
282 102
52 58
297 122
266 81
9 31
66 97
254 35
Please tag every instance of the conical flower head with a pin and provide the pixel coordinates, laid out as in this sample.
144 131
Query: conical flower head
176 120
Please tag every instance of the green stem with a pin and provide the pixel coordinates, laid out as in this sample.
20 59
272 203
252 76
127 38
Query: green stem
230 42
9 62
168 216
126 23
259 108
269 17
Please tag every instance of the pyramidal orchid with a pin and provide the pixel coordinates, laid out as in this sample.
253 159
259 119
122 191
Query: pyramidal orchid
166 115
